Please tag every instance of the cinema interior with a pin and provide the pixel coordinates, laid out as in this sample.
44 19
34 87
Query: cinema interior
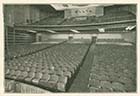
66 48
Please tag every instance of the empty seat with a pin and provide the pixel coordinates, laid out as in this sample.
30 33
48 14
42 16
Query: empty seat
54 78
34 65
59 72
39 65
45 77
118 87
11 67
15 68
45 70
49 68
33 69
27 68
21 68
52 83
63 79
44 80
61 87
16 74
51 72
29 64
93 89
71 69
9 75
68 74
23 75
38 69
7 71
37 77
110 69
30 76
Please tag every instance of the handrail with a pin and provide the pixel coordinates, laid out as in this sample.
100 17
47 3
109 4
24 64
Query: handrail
76 25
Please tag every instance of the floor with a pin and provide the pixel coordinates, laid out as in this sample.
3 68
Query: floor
81 81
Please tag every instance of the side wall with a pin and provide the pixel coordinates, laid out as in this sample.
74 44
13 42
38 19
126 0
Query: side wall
25 14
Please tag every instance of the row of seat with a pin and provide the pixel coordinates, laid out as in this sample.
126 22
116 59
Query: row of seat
50 68
12 86
56 20
115 18
80 41
110 40
111 17
19 50
121 16
113 69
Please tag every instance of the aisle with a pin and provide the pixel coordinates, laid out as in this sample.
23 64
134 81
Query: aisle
81 81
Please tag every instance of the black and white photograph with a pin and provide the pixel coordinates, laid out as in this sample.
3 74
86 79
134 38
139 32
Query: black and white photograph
70 48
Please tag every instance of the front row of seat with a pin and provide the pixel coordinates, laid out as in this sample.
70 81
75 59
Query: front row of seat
50 69
47 79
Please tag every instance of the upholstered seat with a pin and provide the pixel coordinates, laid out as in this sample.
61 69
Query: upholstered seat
21 68
45 76
38 69
68 74
33 69
9 75
27 68
59 72
54 78
16 74
30 76
23 75
61 87
63 79
37 77
7 71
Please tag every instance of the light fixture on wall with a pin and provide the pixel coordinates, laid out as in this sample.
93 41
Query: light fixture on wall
51 31
33 31
75 31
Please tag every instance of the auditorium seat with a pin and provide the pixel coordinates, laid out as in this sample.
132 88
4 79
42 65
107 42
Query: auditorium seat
7 71
24 49
45 77
63 79
68 74
61 86
38 69
50 68
113 69
110 17
27 69
30 76
33 69
59 72
52 82
17 74
37 77
9 75
54 78
23 75
54 20
21 68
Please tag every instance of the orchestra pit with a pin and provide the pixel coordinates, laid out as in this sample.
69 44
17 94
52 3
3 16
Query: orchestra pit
66 48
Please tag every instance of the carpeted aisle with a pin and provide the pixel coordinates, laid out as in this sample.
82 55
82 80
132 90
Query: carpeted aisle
81 81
